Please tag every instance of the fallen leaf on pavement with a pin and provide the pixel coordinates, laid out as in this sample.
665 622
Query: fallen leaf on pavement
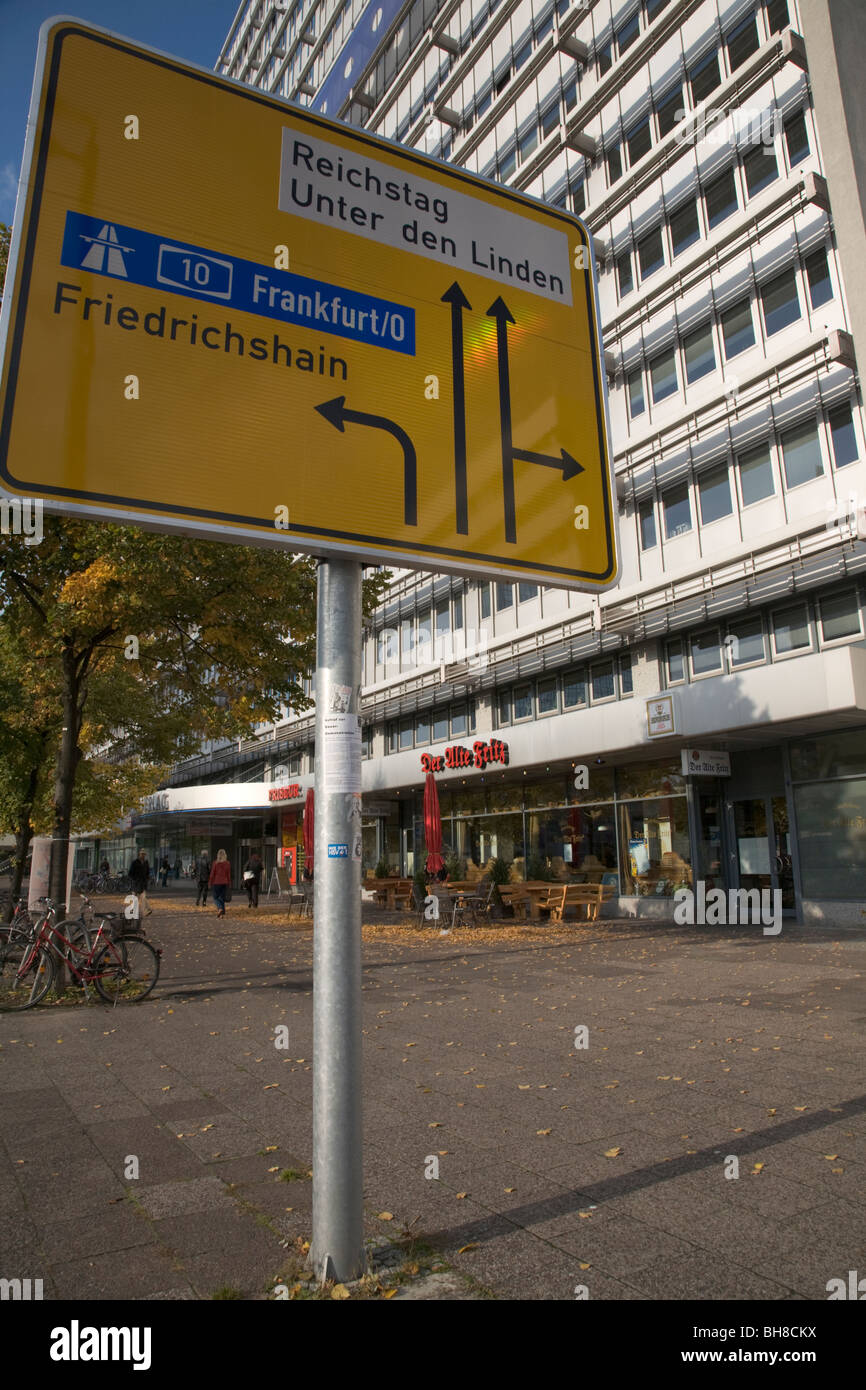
473 1245
612 1153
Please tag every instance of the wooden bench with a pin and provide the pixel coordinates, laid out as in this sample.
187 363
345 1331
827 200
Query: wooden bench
581 896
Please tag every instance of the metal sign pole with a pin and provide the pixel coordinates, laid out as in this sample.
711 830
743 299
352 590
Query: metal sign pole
337 1248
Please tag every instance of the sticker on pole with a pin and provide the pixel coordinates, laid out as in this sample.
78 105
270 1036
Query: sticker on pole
338 851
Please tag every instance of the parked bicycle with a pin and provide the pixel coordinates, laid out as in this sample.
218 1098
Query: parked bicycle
122 964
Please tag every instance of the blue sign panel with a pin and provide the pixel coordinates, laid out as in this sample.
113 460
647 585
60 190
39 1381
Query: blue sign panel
142 258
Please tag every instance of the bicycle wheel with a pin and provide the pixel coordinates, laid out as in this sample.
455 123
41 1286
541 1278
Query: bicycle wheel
26 972
126 970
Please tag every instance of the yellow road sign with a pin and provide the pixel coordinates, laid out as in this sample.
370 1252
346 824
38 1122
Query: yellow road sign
232 317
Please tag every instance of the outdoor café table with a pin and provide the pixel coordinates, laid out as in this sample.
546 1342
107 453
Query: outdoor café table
534 892
391 889
463 898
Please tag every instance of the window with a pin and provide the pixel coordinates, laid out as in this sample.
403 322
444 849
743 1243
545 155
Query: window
796 138
458 721
647 522
654 7
569 95
523 702
507 164
422 729
744 641
526 591
547 696
392 738
578 197
443 619
818 276
601 681
737 329
549 120
624 276
684 227
802 454
704 77
715 495
614 164
756 475
706 654
742 42
699 353
669 111
780 302
649 252
663 375
440 725
574 689
677 512
676 663
840 616
504 706
638 140
760 168
626 36
842 435
504 596
528 141
458 612
502 79
777 15
485 600
406 733
523 54
636 402
720 198
605 60
791 629
626 684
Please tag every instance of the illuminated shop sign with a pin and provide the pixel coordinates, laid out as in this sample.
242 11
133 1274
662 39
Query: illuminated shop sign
290 793
479 755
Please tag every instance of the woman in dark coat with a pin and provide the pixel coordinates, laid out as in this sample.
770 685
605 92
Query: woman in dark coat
252 878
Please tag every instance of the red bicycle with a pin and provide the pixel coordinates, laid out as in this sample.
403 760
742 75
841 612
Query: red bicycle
123 966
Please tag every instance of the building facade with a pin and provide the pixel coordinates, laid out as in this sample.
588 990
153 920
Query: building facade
563 729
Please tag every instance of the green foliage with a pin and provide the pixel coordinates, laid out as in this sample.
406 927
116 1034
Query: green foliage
538 869
456 867
381 869
5 238
499 871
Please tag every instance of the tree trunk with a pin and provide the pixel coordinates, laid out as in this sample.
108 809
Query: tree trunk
23 836
68 758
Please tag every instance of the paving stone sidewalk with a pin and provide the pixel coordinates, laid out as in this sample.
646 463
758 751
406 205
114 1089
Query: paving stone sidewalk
603 1166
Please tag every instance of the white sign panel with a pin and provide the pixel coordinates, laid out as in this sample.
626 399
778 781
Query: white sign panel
660 716
698 762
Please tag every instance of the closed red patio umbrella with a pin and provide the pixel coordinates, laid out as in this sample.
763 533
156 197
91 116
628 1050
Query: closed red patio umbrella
309 822
432 826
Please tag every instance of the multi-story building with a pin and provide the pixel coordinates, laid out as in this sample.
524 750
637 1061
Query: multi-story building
707 146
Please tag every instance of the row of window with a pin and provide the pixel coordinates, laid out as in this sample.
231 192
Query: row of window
718 198
701 79
504 594
750 641
587 685
432 726
728 334
799 456
534 130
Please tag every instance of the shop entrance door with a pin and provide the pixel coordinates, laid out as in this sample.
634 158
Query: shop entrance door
709 825
762 855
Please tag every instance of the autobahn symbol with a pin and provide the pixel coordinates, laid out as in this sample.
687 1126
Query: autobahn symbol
105 252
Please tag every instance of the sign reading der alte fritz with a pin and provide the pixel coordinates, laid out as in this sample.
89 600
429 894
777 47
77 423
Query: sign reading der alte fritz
457 756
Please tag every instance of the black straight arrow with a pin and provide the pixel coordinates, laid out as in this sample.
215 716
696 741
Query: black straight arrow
458 301
566 463
336 414
500 311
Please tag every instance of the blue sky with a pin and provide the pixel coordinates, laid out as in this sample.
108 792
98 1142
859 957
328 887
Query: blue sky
190 29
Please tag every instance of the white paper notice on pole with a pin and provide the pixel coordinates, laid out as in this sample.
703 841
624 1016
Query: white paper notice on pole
342 749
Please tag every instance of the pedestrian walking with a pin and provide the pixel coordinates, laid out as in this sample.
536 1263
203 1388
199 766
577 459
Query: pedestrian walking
253 870
139 877
163 873
203 876
221 881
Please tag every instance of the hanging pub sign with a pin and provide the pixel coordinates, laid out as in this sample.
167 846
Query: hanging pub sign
479 755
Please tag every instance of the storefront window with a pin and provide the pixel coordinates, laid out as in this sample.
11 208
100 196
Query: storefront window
655 840
659 778
505 796
599 788
576 844
469 800
482 838
548 791
830 755
831 823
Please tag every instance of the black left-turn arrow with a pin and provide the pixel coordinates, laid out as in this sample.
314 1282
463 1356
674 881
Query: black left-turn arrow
336 414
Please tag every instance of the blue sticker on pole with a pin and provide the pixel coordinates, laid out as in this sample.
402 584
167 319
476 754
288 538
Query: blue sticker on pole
142 258
338 851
